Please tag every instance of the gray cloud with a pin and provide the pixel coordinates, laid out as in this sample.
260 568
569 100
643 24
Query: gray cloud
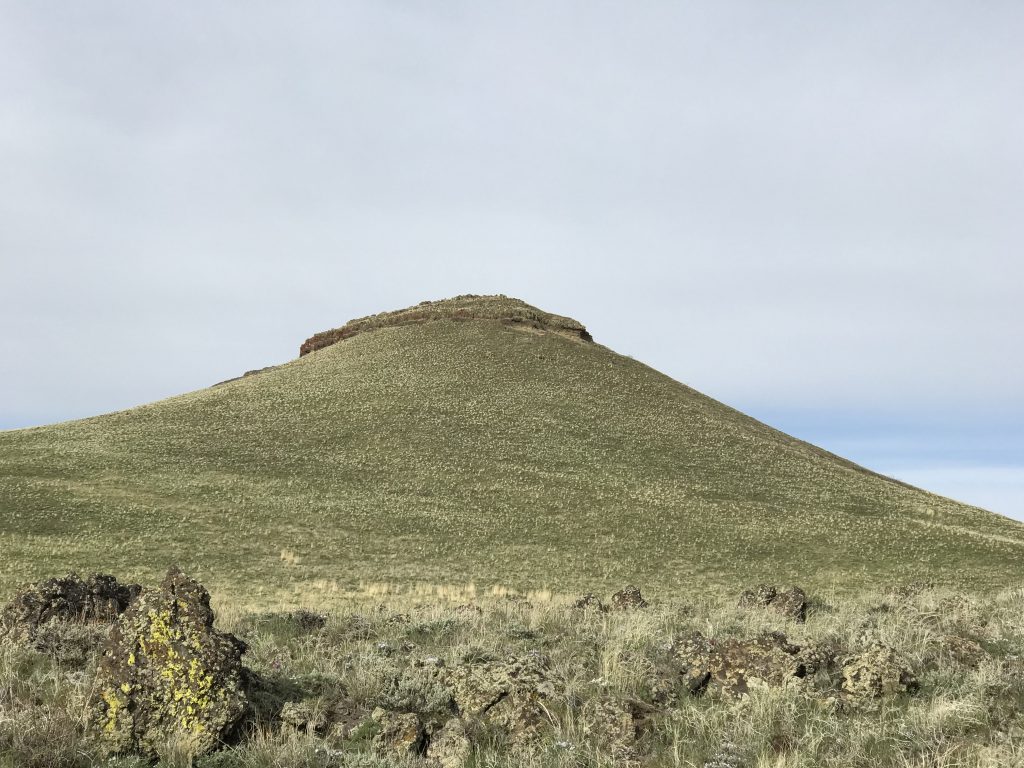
790 207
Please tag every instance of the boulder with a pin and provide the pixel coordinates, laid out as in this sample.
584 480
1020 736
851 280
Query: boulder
167 674
789 602
613 727
628 598
98 599
450 746
734 666
477 687
877 671
305 715
401 734
508 695
758 597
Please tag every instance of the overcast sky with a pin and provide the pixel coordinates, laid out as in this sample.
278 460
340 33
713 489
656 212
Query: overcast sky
812 211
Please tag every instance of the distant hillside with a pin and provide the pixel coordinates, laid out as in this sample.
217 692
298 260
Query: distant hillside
476 439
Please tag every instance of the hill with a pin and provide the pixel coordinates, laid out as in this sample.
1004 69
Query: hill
473 439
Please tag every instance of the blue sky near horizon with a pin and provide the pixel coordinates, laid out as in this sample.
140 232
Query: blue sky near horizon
808 211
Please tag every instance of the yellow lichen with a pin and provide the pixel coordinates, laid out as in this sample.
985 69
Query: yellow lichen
114 707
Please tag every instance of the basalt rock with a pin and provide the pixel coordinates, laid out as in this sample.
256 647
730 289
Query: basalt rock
98 599
628 599
734 666
401 734
512 312
449 747
508 695
167 674
876 672
615 727
790 602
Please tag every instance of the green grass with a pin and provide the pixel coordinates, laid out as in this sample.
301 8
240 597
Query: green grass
485 451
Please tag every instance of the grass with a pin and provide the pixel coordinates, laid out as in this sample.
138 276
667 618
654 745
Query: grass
449 452
967 713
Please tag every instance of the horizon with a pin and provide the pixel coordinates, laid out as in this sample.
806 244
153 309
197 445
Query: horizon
806 213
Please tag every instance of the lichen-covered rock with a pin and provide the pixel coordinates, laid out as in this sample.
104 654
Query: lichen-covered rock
449 747
98 599
789 602
613 726
590 602
478 687
305 715
734 666
758 597
401 734
693 653
70 643
877 671
167 674
628 599
508 694
817 657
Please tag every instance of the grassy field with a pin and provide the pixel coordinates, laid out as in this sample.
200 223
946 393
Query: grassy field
390 650
450 450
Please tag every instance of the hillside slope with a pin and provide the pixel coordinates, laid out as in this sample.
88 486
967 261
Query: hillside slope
448 449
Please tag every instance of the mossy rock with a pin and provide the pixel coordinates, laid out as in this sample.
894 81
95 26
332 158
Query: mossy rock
166 674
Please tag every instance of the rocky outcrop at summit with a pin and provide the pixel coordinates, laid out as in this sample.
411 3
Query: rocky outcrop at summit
468 307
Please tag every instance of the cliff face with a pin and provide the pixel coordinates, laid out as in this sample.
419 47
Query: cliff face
468 307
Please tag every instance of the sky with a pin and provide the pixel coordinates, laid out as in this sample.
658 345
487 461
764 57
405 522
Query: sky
811 211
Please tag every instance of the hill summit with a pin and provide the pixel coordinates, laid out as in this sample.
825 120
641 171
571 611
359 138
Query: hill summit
473 439
463 308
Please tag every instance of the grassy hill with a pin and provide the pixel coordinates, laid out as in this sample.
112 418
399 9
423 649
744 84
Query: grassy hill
476 439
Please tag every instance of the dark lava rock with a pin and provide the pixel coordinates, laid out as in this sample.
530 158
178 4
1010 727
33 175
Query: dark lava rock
628 599
97 599
168 674
790 602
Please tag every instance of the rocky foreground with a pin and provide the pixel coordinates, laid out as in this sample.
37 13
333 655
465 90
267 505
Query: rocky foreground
99 672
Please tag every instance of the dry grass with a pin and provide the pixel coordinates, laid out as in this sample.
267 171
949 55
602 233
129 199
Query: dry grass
966 714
